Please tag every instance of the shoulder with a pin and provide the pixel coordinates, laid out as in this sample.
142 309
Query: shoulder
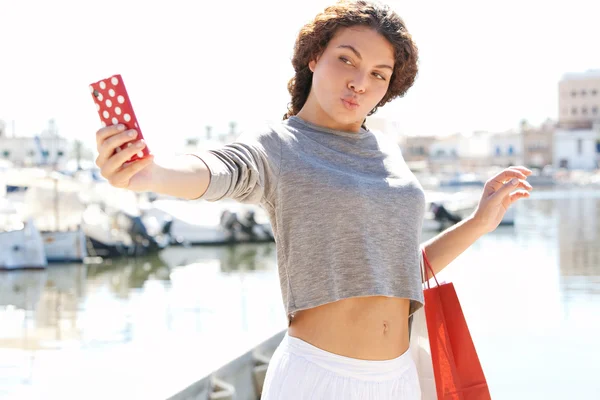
266 138
266 132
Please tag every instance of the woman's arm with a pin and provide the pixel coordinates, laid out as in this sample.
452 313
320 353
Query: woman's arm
497 196
448 245
185 176
245 170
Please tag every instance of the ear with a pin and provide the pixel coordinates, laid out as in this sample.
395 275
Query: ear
313 63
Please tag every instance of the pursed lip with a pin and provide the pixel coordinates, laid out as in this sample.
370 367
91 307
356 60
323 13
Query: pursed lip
351 100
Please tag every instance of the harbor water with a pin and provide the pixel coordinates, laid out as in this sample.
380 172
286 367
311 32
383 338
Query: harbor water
146 328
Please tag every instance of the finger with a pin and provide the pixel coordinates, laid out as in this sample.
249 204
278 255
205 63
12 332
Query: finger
106 132
523 184
108 147
115 162
123 177
505 190
519 194
500 179
522 169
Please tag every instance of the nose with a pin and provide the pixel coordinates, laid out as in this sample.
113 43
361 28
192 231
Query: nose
357 83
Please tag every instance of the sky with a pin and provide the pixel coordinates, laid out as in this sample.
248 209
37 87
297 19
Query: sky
188 64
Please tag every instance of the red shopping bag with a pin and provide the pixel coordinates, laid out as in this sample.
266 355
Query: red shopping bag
456 367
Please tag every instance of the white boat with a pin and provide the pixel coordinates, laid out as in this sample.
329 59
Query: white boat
460 205
116 233
11 219
22 248
106 239
208 223
52 203
462 179
543 176
65 246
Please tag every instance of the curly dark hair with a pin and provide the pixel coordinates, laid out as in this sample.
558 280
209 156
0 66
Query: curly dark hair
314 37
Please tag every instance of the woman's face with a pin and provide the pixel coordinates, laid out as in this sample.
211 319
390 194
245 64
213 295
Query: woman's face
350 78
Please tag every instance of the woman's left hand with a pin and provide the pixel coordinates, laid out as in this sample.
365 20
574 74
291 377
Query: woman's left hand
499 193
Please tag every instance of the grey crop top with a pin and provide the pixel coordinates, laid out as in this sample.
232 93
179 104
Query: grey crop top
345 209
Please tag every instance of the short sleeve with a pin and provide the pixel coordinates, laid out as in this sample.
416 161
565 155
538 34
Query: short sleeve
245 170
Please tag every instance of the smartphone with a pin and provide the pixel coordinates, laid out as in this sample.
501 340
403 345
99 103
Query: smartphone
114 107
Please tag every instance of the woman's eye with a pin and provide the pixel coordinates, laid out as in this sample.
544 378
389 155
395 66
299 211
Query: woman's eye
379 75
345 60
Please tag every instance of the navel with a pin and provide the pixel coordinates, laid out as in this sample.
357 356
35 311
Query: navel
386 327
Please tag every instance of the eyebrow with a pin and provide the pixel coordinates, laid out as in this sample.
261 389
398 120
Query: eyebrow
347 46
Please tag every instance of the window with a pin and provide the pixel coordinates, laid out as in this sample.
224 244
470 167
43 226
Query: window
583 92
60 153
6 153
573 93
584 110
594 92
579 146
510 150
31 153
573 111
594 110
498 151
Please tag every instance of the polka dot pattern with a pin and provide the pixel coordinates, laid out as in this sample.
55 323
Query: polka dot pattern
114 107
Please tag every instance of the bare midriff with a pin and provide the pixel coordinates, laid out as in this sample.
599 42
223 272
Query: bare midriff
367 328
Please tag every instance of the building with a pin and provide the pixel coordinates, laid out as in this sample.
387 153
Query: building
577 148
577 138
443 154
417 148
47 148
538 144
458 152
506 149
579 100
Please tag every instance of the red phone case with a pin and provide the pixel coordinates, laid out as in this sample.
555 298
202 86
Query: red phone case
114 107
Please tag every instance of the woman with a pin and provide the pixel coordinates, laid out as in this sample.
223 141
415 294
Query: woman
345 209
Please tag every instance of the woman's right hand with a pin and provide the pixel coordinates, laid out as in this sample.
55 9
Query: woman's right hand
136 175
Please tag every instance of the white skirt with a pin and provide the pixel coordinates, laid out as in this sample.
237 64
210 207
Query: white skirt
300 371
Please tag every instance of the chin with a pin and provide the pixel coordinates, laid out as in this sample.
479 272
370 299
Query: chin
346 117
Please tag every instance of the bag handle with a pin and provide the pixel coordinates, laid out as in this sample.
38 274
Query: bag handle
428 265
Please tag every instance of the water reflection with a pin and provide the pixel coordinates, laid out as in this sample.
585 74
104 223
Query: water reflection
125 274
248 257
542 275
578 236
39 308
